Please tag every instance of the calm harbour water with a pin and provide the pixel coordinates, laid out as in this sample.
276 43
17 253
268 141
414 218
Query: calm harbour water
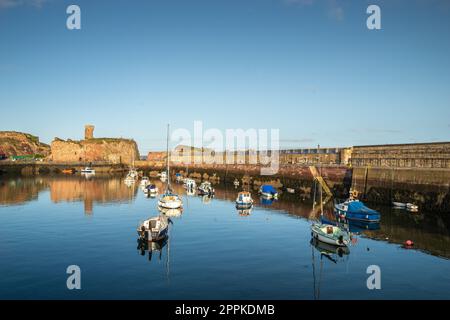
213 252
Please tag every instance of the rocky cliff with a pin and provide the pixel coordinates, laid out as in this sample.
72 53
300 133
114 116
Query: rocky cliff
17 143
95 150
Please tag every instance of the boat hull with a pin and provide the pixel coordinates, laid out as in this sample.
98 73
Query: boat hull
356 216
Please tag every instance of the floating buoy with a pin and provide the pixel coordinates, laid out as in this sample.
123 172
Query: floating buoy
409 243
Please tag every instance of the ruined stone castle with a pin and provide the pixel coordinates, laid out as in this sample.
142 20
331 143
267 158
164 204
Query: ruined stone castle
110 150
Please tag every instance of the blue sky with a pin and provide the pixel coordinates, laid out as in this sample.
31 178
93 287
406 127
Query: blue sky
308 67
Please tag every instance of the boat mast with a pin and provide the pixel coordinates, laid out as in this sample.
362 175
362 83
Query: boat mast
168 156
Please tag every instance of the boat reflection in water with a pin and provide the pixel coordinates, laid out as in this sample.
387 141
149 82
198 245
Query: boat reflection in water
172 213
267 201
151 246
331 253
244 212
206 199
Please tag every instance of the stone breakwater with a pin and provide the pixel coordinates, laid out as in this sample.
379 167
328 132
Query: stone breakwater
428 188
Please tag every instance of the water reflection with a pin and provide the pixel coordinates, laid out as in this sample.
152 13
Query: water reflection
326 255
429 232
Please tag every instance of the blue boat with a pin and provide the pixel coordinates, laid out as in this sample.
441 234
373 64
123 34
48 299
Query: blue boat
268 191
356 210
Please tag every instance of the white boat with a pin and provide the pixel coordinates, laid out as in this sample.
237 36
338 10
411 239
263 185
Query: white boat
154 229
88 170
133 173
330 234
189 184
169 200
129 180
244 200
412 207
399 205
290 190
163 176
206 188
151 189
145 181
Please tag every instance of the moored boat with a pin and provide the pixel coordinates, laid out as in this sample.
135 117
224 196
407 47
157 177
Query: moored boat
154 229
399 205
169 200
145 181
412 207
353 209
206 188
88 170
330 234
244 200
268 191
189 184
68 171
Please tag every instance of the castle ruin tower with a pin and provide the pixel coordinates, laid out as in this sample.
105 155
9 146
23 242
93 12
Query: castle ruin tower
88 132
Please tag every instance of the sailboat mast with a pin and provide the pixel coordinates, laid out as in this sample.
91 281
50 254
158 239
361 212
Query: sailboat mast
168 158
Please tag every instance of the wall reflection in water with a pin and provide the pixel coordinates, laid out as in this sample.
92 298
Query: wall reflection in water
98 189
430 232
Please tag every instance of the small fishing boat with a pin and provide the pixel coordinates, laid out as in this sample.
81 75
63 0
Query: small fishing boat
268 191
330 234
88 170
145 181
163 176
133 173
154 229
68 171
353 209
399 205
206 189
290 190
412 207
129 180
244 200
178 177
151 189
189 184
